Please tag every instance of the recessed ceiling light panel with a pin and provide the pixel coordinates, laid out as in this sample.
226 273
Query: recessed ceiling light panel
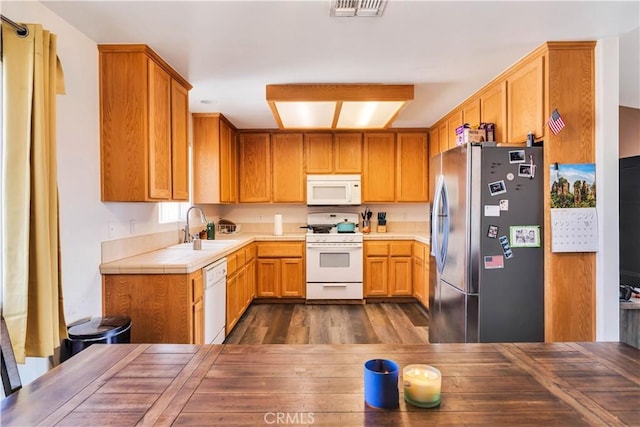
368 115
336 106
306 115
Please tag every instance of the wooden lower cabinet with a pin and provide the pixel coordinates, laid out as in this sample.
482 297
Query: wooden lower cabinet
376 276
197 308
234 290
164 308
421 273
280 270
388 268
240 284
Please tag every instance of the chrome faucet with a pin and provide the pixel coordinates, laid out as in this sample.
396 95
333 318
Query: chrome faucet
187 232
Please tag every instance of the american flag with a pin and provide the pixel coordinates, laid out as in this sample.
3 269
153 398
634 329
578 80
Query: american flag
555 122
495 261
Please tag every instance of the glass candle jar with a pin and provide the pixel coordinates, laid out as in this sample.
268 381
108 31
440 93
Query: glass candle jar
422 385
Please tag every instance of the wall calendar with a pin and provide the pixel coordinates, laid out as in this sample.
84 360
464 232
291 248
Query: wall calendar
574 221
574 230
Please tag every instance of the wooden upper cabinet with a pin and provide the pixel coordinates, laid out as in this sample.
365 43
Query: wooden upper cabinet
159 132
229 173
143 125
412 181
215 159
318 153
333 153
347 153
525 101
434 141
493 108
287 168
378 183
471 113
254 174
453 121
443 132
179 141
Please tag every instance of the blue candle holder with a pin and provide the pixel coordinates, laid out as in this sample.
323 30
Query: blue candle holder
381 383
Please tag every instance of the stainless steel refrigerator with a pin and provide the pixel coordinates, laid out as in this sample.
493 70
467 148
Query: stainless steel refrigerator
487 245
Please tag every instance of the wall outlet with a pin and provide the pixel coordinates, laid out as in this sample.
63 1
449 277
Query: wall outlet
132 226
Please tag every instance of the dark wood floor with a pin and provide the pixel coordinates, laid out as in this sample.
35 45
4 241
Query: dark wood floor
387 323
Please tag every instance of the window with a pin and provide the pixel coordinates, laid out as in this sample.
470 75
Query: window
172 212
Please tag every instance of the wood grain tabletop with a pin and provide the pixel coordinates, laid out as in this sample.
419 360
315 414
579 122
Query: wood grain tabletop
567 384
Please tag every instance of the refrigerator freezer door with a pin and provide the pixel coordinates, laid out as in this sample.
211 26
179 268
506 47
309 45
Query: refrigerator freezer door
512 297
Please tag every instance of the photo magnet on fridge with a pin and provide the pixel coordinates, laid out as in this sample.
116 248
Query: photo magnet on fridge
492 232
504 205
504 242
516 156
526 170
497 187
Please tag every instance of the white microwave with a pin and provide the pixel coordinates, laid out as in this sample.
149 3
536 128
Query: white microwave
333 190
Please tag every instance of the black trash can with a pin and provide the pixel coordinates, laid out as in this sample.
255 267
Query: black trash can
98 330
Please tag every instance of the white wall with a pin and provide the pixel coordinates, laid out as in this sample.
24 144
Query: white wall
608 255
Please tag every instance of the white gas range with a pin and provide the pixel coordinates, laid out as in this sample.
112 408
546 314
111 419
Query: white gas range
334 259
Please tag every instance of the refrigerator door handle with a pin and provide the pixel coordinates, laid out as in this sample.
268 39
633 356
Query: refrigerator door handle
441 212
435 216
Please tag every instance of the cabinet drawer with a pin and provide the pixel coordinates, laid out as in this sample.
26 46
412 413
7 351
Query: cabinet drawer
232 263
334 291
290 250
197 284
240 258
400 248
376 249
250 253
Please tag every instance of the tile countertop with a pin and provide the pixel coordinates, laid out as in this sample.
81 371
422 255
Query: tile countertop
183 260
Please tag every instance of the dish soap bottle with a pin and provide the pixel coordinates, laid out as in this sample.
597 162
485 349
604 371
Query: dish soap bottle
211 231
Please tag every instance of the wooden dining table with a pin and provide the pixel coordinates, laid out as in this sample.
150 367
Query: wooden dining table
566 384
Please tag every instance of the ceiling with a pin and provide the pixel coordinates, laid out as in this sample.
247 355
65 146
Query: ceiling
230 50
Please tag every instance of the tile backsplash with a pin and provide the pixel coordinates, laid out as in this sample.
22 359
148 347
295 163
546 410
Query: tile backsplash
129 246
401 218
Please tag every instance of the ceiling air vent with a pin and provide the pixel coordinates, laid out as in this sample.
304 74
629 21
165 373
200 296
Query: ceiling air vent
348 8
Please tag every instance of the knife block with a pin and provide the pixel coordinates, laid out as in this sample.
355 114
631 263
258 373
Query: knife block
381 228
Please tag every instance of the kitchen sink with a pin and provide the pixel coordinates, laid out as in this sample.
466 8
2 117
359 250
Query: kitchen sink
210 245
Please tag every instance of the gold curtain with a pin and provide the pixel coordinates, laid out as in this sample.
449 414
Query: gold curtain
31 285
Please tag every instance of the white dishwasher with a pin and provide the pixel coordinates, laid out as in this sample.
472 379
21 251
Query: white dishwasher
215 301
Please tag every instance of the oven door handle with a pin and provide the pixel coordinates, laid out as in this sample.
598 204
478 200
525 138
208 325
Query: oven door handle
333 248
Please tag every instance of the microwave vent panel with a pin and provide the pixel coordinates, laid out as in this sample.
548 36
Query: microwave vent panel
349 8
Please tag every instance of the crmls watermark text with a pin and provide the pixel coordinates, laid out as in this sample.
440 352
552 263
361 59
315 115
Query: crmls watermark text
289 418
